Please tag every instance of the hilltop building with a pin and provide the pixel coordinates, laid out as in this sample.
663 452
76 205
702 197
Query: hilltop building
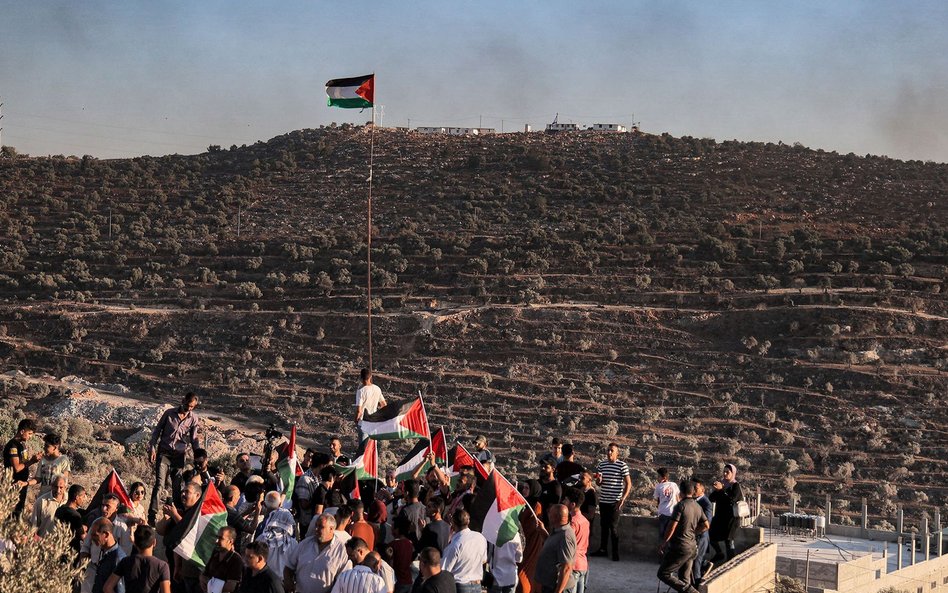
455 131
608 128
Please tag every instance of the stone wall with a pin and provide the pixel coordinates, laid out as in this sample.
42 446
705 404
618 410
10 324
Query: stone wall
639 537
751 571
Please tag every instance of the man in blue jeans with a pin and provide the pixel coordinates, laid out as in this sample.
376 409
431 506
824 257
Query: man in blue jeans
175 432
701 568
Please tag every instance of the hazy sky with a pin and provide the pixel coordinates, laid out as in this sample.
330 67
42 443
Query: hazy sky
130 77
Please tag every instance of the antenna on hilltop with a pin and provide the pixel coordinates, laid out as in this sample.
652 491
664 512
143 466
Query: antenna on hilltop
1 129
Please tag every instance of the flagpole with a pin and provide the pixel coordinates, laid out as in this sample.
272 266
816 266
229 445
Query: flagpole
369 232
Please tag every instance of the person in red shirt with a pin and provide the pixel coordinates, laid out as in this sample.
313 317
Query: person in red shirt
361 528
573 498
401 553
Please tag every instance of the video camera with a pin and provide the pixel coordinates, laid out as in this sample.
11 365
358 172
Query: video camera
272 433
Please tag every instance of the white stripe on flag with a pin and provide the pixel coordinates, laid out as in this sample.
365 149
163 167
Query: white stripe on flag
342 92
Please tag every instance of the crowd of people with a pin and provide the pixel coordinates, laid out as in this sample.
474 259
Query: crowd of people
392 537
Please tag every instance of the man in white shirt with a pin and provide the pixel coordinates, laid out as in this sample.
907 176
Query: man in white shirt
319 559
465 555
368 400
361 578
44 509
666 493
504 565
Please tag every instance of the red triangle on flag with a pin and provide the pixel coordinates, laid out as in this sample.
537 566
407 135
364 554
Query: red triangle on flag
416 420
112 484
367 89
507 495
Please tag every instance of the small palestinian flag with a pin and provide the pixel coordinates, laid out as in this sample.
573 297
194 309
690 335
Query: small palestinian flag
350 486
366 465
439 446
408 421
458 459
354 93
199 527
112 484
287 466
410 462
419 456
495 510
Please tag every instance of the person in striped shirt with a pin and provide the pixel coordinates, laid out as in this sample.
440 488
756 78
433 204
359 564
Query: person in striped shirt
615 485
361 578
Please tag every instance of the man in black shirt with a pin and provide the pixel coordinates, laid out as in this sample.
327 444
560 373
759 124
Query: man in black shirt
325 496
568 472
243 471
16 459
437 532
142 571
679 544
225 564
550 490
431 579
591 500
71 514
258 578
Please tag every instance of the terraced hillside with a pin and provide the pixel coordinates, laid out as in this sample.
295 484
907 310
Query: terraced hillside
694 301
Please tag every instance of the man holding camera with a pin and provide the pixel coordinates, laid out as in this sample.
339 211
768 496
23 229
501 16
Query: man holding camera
175 432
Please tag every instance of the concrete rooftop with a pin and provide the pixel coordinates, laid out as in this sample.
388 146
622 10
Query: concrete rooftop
836 549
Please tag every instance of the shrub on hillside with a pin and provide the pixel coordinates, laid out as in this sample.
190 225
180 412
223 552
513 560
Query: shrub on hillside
29 564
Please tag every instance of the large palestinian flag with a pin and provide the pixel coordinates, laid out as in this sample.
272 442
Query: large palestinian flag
198 528
357 92
366 465
408 421
458 459
495 510
112 484
287 466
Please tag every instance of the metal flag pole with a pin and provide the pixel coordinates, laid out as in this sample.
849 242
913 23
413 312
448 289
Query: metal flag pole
369 232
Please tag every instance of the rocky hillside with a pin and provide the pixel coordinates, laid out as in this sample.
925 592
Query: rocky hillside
695 301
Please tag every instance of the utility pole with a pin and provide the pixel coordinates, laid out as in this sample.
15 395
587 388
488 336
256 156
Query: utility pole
1 129
480 122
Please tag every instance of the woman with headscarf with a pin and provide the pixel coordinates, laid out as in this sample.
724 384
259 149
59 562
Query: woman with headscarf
727 492
534 534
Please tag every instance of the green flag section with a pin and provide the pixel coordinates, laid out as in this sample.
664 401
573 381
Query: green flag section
357 92
287 466
112 484
495 510
458 459
408 421
200 525
366 465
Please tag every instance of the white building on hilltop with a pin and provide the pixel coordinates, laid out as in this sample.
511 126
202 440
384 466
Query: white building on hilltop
607 128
